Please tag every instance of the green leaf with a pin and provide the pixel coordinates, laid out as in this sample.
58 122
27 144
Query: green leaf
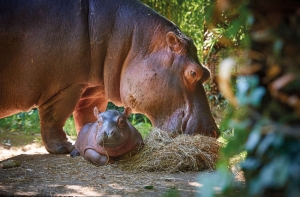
251 163
275 173
253 140
256 96
255 187
149 187
265 144
277 47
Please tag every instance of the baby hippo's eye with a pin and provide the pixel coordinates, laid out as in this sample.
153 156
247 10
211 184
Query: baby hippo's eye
100 121
120 122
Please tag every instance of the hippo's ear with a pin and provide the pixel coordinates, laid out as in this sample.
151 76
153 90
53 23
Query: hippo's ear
127 111
96 112
174 42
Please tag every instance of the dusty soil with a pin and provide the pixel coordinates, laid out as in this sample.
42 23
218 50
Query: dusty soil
43 174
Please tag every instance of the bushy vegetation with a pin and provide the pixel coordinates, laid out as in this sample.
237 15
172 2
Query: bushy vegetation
28 122
187 15
262 115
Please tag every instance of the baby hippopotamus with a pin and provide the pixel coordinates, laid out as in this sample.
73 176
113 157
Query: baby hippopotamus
111 136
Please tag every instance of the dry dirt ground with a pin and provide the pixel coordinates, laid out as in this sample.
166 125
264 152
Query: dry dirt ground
43 174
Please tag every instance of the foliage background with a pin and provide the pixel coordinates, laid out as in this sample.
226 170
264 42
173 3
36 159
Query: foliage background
264 111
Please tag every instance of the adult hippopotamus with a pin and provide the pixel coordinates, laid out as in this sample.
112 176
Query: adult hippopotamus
66 57
109 137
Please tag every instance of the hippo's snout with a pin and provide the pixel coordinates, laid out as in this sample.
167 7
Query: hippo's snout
108 134
110 137
192 125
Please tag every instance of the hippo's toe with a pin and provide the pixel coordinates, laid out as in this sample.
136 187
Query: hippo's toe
59 147
75 153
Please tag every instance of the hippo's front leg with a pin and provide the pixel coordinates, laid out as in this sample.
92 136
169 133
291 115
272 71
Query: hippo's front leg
96 158
53 115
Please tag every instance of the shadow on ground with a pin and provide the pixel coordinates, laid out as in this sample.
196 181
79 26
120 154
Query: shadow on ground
61 175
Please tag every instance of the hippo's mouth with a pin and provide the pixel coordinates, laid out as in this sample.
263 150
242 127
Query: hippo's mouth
109 144
188 126
175 123
184 122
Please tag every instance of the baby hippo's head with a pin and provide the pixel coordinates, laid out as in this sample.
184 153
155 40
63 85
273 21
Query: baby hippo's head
112 128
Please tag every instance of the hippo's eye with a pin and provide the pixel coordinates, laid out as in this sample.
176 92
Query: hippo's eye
120 122
193 74
100 121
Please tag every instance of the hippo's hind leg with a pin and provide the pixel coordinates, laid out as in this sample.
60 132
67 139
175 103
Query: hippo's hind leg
96 158
91 98
53 115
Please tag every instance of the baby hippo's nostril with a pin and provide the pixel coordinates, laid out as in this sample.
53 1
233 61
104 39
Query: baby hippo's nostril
111 134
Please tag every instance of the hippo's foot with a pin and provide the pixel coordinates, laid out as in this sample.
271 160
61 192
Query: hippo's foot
59 147
96 158
75 153
55 140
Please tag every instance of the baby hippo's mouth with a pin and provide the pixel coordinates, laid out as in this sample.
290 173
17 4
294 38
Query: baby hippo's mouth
109 144
110 141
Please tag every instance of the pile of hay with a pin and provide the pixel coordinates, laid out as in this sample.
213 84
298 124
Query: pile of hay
164 153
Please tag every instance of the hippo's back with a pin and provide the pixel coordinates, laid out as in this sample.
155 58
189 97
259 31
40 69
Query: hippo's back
40 43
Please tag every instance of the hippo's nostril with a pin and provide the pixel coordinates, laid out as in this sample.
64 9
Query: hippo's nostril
111 134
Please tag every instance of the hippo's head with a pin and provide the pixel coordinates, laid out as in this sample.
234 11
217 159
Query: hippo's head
164 82
112 127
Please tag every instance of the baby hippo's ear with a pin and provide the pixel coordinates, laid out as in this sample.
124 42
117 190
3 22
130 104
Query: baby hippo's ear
127 112
96 112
